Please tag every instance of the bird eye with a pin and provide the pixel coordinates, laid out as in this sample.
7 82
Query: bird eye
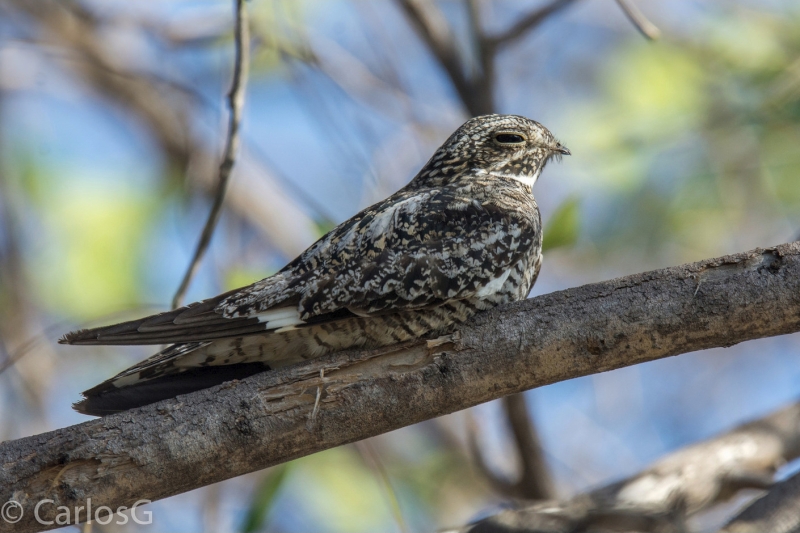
509 138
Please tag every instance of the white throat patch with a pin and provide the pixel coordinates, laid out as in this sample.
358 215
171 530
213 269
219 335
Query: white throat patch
526 180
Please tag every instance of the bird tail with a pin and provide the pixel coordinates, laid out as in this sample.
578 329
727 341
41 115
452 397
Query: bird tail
178 369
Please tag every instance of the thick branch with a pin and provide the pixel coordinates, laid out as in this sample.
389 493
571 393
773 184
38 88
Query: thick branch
676 486
238 427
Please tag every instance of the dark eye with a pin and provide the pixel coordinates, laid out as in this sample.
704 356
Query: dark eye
509 138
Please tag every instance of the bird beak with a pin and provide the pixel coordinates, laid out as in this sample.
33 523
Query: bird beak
562 149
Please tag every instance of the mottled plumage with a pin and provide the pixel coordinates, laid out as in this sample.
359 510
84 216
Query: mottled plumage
463 236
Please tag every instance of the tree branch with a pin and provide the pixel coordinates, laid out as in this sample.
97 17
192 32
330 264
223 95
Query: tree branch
527 23
242 426
235 105
676 486
166 112
776 512
432 28
534 481
637 18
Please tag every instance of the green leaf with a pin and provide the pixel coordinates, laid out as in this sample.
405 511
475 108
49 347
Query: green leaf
238 276
563 227
264 498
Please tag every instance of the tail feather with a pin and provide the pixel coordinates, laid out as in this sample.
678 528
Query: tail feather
186 367
107 399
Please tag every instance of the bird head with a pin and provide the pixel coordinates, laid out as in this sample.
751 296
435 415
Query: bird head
504 146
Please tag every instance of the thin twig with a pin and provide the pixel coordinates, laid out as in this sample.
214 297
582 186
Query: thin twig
370 456
235 104
527 23
637 18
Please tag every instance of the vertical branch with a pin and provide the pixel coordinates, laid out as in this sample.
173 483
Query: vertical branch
235 105
535 482
482 101
432 28
476 92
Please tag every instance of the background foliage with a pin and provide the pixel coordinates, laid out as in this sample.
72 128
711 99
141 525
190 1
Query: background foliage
684 148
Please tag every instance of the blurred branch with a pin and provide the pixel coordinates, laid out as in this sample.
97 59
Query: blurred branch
534 481
270 418
476 93
527 24
370 457
432 27
778 511
17 316
676 486
235 104
505 487
637 18
69 24
165 111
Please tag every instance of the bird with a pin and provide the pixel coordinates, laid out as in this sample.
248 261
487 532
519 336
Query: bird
463 236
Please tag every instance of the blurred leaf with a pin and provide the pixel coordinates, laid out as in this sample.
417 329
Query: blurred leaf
279 33
239 277
90 232
264 498
324 225
563 227
335 489
101 237
694 142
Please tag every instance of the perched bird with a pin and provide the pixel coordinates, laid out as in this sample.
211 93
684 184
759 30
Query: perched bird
463 236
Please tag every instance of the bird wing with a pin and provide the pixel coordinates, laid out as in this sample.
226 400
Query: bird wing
413 250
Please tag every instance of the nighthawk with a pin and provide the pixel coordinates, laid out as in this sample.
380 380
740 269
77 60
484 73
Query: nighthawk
463 236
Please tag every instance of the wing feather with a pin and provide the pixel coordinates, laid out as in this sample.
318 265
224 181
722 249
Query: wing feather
414 250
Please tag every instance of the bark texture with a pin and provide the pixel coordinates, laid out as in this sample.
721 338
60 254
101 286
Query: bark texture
238 427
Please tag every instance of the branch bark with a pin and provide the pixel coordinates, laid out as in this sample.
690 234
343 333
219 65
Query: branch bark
241 426
680 484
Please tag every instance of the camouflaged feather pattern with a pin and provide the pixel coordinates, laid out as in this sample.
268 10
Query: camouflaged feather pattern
463 236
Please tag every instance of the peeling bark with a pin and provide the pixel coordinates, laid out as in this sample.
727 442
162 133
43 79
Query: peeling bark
242 426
